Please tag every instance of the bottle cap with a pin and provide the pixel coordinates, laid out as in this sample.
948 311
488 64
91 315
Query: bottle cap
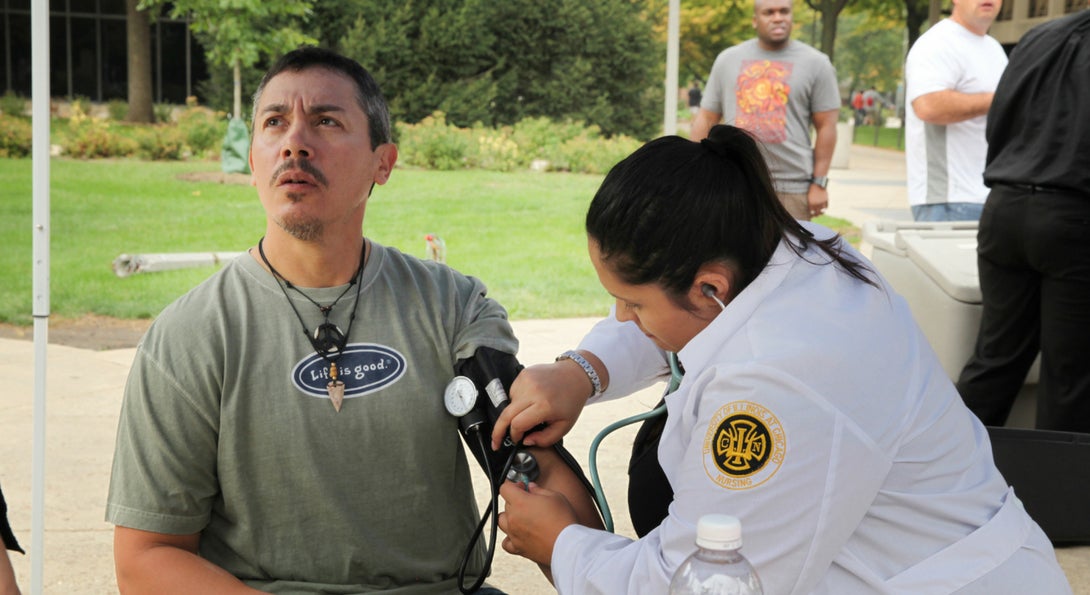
719 532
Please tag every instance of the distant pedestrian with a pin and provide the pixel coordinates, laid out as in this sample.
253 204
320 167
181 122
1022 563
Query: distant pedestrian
776 88
872 103
694 98
857 107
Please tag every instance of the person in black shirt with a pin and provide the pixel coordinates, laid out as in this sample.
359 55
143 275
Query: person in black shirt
7 574
1033 248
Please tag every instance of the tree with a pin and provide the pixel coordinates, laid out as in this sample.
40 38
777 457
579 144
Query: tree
138 34
236 33
427 57
591 61
706 28
498 62
870 49
830 13
916 14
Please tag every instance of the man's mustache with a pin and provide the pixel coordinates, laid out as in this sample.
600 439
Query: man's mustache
301 164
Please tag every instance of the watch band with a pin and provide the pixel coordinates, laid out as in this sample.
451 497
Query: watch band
820 181
589 369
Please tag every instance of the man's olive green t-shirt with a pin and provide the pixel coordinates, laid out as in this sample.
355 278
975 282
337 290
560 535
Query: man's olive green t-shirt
227 430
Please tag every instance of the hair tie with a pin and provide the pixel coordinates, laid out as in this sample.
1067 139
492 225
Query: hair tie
715 147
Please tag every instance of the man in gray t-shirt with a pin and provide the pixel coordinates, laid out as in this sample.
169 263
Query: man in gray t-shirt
775 88
283 428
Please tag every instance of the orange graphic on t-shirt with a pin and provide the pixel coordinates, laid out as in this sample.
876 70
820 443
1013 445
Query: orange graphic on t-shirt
761 98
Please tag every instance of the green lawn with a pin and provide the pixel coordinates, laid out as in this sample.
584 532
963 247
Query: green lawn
522 233
888 138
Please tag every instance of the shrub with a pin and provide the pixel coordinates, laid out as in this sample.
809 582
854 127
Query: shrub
203 130
16 136
434 144
117 109
567 146
163 112
535 136
494 150
591 154
161 143
90 138
12 104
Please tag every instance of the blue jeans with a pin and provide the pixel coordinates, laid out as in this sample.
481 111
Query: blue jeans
948 211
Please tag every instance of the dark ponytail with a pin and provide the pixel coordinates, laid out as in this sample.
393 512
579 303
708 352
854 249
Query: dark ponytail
674 205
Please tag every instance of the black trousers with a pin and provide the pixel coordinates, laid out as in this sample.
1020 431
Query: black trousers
1033 254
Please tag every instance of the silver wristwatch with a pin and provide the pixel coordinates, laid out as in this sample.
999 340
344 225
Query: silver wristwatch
820 181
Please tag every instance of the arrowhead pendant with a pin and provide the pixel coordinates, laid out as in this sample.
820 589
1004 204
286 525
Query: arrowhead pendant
336 393
335 388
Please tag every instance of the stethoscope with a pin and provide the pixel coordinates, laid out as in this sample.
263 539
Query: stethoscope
599 494
675 381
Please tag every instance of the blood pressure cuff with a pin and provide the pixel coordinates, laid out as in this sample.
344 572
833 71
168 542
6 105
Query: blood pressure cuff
492 372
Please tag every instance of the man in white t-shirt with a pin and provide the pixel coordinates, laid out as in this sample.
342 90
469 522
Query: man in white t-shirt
950 74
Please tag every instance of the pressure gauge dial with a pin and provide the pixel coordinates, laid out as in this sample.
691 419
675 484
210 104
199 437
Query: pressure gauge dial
460 396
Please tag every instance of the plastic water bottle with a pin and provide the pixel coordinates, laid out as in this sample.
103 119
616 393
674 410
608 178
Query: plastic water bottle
717 567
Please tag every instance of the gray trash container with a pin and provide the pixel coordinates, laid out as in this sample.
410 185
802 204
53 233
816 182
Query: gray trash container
933 265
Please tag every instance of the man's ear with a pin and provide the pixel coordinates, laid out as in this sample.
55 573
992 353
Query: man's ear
387 158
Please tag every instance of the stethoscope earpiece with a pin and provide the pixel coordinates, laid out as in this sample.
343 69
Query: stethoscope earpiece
709 290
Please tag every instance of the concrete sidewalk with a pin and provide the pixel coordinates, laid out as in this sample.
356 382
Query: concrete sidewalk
84 395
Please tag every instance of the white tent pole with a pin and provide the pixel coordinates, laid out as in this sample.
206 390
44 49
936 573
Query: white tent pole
673 28
39 25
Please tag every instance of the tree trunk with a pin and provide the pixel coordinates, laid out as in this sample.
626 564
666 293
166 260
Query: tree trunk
916 14
138 34
830 12
238 88
828 31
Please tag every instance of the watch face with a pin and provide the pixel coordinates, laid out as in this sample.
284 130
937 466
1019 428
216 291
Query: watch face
460 396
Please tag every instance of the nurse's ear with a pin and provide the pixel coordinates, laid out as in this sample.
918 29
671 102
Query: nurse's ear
710 291
711 288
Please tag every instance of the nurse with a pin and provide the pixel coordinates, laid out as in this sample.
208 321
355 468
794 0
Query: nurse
811 406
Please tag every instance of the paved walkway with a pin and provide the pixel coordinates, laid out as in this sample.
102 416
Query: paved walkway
84 391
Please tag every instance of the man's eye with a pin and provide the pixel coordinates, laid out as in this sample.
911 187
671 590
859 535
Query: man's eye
272 122
327 122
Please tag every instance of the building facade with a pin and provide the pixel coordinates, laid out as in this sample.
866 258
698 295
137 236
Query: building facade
1018 16
88 53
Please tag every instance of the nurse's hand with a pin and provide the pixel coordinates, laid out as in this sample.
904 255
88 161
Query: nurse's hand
552 394
533 520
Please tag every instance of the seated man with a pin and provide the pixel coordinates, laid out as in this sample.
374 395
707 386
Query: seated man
283 426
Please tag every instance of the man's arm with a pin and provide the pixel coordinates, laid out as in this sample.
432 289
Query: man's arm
158 563
702 124
824 145
949 107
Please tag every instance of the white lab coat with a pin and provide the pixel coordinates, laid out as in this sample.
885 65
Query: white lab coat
814 410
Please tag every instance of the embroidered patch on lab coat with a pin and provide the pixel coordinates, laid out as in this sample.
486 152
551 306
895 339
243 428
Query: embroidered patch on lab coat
744 446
